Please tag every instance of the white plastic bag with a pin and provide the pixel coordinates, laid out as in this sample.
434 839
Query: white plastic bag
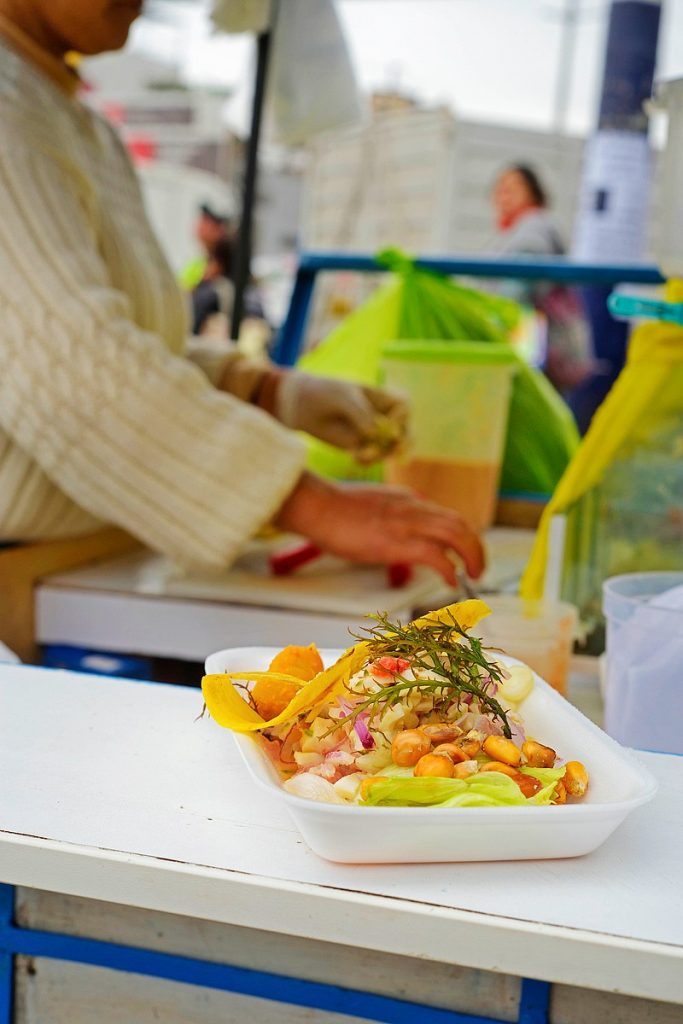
241 15
644 689
311 82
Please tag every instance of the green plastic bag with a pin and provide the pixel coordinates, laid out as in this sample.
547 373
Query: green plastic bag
420 305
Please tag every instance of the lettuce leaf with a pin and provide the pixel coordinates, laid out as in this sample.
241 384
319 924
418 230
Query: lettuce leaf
487 789
549 777
395 771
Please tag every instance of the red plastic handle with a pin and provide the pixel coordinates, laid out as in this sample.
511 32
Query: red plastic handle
283 563
399 575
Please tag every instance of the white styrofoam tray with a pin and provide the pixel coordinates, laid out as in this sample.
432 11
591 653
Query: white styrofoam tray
399 835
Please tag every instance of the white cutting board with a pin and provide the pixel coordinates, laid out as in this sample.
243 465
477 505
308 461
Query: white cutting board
328 585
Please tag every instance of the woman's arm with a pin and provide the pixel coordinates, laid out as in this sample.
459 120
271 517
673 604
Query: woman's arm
141 438
133 434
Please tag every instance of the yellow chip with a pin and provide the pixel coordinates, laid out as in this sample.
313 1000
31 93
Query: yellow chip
228 708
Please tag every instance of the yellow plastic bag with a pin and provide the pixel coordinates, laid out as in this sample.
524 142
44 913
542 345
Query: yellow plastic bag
622 493
228 708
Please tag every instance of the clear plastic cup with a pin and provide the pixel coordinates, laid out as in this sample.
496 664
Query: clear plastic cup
459 396
540 633
644 660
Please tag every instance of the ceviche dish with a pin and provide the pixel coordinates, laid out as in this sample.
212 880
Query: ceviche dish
414 715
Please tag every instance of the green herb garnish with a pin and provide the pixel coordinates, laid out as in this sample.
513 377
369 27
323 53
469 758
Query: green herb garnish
443 648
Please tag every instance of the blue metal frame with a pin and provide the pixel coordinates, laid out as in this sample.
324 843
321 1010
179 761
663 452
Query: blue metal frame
534 1002
6 954
288 343
533 1005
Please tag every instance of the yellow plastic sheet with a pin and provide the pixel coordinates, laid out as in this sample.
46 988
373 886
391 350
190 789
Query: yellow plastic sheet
228 708
642 394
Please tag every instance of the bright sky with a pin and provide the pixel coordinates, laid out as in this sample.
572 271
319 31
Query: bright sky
495 60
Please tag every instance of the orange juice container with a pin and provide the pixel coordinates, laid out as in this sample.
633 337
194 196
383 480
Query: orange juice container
459 393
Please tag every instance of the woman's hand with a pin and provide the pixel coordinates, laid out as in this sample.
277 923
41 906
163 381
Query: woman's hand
368 422
374 524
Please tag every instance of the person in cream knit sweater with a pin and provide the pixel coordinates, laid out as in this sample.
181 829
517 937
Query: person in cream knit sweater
108 413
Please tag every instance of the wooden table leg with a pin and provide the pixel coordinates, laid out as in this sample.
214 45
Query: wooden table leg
23 565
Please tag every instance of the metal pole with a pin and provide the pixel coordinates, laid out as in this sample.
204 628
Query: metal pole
570 19
243 249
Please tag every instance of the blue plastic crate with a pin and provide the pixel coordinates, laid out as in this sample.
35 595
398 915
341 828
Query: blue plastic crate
99 663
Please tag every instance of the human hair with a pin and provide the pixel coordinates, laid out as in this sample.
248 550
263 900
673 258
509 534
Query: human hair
532 181
223 254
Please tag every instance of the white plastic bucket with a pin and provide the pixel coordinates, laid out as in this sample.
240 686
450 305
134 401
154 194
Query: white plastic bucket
644 660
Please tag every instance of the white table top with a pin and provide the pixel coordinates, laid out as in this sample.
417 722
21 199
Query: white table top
141 604
111 789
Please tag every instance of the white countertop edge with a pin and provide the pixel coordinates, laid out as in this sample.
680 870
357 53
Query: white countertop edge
605 962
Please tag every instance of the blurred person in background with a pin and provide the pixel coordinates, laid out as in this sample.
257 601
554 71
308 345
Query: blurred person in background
211 229
526 228
109 413
213 297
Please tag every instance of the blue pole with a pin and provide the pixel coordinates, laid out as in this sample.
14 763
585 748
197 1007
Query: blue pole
614 203
630 58
6 953
534 1002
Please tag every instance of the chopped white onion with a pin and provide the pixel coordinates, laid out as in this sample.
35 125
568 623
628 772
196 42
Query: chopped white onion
312 787
518 685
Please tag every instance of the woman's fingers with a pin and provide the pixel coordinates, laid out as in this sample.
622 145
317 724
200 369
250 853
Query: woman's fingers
466 544
435 556
439 556
452 533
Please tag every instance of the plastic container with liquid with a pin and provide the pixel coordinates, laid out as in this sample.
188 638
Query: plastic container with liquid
644 660
539 633
459 396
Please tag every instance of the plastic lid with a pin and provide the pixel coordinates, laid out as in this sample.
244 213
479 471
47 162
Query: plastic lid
488 353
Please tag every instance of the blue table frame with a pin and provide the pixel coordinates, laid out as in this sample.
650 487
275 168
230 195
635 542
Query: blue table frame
533 1003
290 338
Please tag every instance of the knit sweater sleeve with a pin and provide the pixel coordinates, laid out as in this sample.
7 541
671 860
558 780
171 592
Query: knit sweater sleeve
133 434
225 366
